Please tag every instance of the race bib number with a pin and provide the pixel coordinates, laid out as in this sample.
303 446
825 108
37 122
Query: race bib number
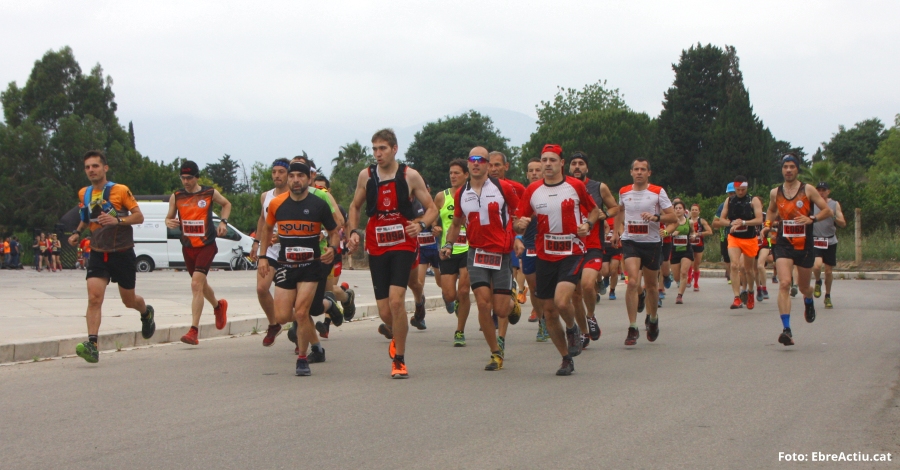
193 228
558 244
609 236
461 240
488 260
637 227
680 240
390 235
298 254
530 252
697 241
739 229
426 238
793 229
820 243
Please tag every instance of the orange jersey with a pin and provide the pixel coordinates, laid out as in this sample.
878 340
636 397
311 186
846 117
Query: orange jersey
195 212
790 232
111 237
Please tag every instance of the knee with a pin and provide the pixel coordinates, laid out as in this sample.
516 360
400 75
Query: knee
95 300
397 305
784 283
560 304
197 286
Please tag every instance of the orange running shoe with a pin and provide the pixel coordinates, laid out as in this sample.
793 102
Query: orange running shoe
750 303
398 370
392 349
191 337
220 312
533 318
522 296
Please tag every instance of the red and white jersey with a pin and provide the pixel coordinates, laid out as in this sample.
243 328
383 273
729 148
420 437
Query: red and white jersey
559 213
489 215
654 200
517 186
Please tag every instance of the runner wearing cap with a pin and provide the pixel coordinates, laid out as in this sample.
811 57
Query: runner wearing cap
561 226
193 207
486 204
723 235
742 214
792 202
388 188
642 207
825 242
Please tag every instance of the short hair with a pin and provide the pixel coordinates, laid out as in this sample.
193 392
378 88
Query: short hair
534 160
386 135
323 178
643 160
679 202
497 152
95 153
461 164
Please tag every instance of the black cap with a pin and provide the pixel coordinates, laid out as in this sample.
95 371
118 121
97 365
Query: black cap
189 168
822 185
578 156
301 167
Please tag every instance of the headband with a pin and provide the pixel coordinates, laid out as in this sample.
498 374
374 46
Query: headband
578 156
281 163
552 148
790 158
301 167
741 184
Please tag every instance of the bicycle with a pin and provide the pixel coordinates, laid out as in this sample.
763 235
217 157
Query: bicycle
240 261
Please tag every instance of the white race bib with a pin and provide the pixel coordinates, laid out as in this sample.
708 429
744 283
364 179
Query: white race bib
193 228
558 244
530 252
426 238
390 235
461 240
793 229
609 236
696 241
298 254
637 227
739 229
680 240
486 259
820 243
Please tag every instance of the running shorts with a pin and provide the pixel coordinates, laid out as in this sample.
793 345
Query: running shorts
551 273
514 260
666 252
529 263
199 259
698 248
498 279
748 246
677 256
649 253
430 256
593 259
454 263
829 255
723 249
391 269
287 276
116 266
801 258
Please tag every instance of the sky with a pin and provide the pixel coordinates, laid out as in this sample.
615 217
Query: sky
260 81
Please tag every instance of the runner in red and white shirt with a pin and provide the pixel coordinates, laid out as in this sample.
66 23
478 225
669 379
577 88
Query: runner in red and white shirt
642 206
556 202
486 206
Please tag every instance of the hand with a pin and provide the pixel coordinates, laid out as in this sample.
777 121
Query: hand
328 256
614 241
73 239
436 230
737 223
802 219
413 229
222 229
445 253
352 242
106 219
254 253
522 223
519 247
648 216
263 267
584 229
675 233
172 223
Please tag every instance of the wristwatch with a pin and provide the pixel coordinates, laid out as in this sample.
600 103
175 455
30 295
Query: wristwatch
422 225
224 220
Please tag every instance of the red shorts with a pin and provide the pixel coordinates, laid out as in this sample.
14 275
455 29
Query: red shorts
199 259
336 269
593 259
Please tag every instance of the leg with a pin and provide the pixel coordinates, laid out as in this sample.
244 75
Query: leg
483 301
651 284
685 279
396 302
783 267
578 299
132 300
735 254
465 301
589 290
829 276
305 295
96 287
283 305
632 268
198 290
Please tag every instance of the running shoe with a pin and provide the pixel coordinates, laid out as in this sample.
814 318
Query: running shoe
419 315
647 320
794 290
501 342
516 314
817 291
533 318
349 305
585 341
604 286
810 312
750 303
392 349
429 272
593 328
384 330
729 282
420 324
398 370
786 337
496 363
659 303
744 295
459 339
612 296
696 286
774 279
296 350
303 367
633 335
337 316
606 282
759 296
272 332
542 332
456 307
597 300
450 306
88 351
191 337
622 277
221 311
679 299
323 329
148 325
567 367
292 332
737 303
641 297
667 281
662 294
316 355
522 297
653 330
573 337
765 294
828 301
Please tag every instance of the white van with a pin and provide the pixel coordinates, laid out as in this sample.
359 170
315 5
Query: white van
156 246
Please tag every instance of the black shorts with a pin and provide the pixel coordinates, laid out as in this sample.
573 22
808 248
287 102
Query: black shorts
829 255
287 276
677 256
116 266
698 248
551 273
666 252
454 263
272 263
430 256
391 269
723 246
610 253
649 253
802 258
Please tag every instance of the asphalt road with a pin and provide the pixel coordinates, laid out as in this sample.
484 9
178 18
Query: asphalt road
715 390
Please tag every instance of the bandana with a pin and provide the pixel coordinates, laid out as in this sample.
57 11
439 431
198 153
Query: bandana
739 184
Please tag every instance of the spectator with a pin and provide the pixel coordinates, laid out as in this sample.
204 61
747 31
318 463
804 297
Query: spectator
37 249
15 250
84 248
6 250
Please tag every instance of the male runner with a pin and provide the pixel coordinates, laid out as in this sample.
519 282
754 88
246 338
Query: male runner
499 165
454 272
723 235
303 265
642 207
525 248
612 258
561 227
742 214
486 206
792 203
334 292
825 242
109 210
194 207
387 188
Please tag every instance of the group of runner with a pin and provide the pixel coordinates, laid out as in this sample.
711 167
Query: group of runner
564 236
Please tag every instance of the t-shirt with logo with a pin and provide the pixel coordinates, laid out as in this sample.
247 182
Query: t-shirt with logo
653 199
558 212
298 225
386 229
790 232
593 238
110 238
195 213
488 215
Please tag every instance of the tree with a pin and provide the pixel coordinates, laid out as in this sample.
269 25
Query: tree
854 146
887 156
707 131
448 138
225 174
351 159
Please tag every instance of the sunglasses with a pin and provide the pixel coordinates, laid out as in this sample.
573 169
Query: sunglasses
477 159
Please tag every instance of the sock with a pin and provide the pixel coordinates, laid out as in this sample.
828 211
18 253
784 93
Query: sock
399 358
765 289
146 312
327 321
302 356
316 346
634 325
612 291
819 282
786 320
92 338
827 296
654 319
567 357
807 300
496 353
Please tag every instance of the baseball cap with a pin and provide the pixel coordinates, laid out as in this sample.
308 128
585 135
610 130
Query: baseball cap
822 185
730 188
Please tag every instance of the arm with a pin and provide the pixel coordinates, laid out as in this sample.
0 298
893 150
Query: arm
171 221
336 213
219 199
260 226
668 216
74 238
353 238
722 220
438 227
452 235
839 216
824 211
757 209
772 211
585 228
706 229
418 190
608 201
618 225
264 242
